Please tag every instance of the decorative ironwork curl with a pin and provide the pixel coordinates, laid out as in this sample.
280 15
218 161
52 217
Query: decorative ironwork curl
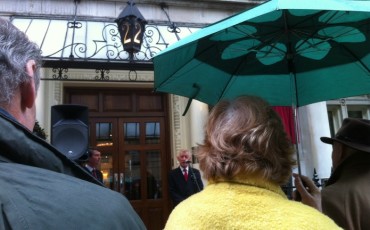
123 55
154 37
173 29
80 49
74 24
114 35
102 76
58 73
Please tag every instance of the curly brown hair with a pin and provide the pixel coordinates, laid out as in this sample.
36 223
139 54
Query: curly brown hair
245 137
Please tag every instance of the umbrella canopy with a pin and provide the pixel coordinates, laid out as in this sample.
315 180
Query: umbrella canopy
289 52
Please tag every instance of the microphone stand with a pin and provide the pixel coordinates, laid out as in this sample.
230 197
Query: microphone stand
193 175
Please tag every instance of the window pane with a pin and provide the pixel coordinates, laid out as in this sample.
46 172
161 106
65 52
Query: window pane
152 133
132 175
355 114
104 134
335 117
132 133
153 171
331 123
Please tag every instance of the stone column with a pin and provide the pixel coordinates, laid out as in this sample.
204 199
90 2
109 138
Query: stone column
314 123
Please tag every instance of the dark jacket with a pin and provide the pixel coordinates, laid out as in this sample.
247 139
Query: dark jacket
99 174
40 188
181 189
346 196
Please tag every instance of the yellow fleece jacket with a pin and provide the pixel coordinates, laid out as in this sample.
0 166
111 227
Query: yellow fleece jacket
245 204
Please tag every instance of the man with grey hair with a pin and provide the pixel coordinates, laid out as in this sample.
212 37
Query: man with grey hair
184 180
40 188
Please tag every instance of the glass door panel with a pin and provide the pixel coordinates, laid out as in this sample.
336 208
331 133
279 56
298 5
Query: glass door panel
132 175
131 133
104 140
153 174
104 136
152 132
106 167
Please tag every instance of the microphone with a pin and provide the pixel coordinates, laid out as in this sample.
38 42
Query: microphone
187 162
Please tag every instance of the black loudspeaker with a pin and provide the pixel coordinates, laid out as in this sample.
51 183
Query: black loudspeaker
69 130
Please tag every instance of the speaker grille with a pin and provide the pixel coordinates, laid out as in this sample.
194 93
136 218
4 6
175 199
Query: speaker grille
70 130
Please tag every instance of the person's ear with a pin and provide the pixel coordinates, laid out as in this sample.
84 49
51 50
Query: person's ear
28 89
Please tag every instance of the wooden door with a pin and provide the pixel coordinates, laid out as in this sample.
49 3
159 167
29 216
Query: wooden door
141 163
132 163
129 129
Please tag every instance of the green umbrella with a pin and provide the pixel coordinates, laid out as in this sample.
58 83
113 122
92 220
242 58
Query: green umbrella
289 52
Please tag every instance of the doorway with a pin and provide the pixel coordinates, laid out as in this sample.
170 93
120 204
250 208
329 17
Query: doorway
129 129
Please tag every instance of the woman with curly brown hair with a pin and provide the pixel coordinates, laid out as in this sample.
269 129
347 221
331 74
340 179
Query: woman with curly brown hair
246 156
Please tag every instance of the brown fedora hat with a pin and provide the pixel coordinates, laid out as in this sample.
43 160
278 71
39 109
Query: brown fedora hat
354 133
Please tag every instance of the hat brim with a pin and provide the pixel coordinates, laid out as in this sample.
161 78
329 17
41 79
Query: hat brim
363 148
327 140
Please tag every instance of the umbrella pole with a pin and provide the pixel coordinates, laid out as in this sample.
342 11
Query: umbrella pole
296 126
292 71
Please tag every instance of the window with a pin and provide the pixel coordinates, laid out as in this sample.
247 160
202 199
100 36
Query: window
356 107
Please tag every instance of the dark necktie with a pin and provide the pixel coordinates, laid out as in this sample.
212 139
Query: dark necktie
186 175
94 173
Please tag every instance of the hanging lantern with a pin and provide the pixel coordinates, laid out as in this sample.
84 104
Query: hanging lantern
131 26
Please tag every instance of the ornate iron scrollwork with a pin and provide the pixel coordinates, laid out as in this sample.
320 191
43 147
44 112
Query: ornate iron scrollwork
102 76
58 73
97 42
172 28
110 46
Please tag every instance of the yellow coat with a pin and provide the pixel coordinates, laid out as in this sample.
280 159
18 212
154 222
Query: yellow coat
245 204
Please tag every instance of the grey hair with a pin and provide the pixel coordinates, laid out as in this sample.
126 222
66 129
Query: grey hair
15 51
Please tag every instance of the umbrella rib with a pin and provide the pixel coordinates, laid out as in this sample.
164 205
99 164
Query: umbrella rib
311 35
353 55
272 36
288 30
289 57
178 70
228 82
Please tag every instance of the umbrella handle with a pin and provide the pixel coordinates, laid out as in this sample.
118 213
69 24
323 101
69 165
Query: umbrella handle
187 106
197 89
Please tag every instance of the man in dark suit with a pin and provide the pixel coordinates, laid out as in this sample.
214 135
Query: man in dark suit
184 180
93 161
